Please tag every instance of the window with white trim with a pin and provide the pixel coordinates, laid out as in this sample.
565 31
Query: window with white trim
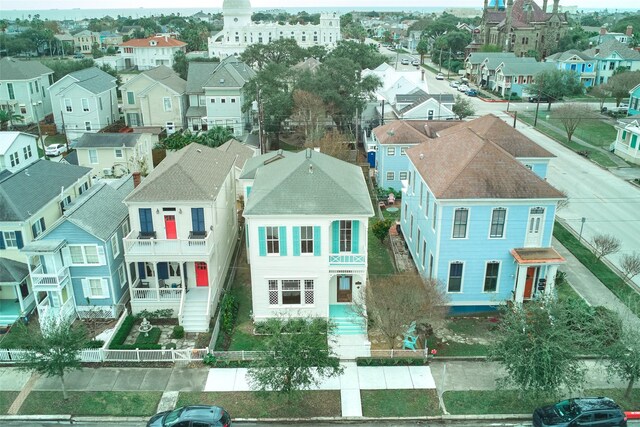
85 104
122 275
403 175
345 236
115 247
95 288
273 240
491 276
291 292
27 152
391 151
403 151
38 227
84 254
10 240
87 125
460 217
125 229
455 277
498 217
14 158
306 240
93 156
166 103
67 105
118 153
391 176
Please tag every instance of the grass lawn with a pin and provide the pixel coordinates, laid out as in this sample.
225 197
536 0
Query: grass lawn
510 401
399 403
6 399
131 403
611 280
394 216
55 139
380 263
566 293
252 404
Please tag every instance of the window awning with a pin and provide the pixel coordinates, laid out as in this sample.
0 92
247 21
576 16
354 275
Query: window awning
537 256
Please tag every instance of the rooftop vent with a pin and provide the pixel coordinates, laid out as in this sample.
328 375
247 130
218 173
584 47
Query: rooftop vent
221 81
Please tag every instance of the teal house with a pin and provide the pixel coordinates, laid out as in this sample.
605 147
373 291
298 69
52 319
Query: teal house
634 101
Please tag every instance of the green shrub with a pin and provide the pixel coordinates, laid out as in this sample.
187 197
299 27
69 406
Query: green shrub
213 361
228 312
163 313
400 361
151 337
95 344
291 326
137 346
122 333
178 332
170 346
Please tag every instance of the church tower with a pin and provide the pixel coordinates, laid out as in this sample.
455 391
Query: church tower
236 13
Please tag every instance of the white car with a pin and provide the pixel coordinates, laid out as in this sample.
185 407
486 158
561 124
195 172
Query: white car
439 76
463 88
415 62
55 150
454 83
404 61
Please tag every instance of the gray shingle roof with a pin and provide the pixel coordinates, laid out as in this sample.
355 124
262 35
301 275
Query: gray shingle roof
309 183
238 149
493 63
12 69
101 211
604 50
478 57
563 56
252 165
12 271
526 69
199 73
42 181
231 72
195 172
196 111
168 77
107 140
93 79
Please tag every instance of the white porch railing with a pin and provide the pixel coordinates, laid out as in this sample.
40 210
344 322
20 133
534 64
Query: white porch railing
40 280
65 312
347 259
168 247
157 294
181 308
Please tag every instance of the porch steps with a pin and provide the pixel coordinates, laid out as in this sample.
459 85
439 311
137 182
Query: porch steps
349 326
194 312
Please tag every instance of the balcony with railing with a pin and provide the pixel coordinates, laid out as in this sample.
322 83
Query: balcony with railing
48 312
45 281
146 244
348 263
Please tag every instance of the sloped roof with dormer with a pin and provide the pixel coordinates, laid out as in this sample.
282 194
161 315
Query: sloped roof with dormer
166 76
254 163
568 55
238 149
398 132
309 183
606 49
195 172
13 69
92 79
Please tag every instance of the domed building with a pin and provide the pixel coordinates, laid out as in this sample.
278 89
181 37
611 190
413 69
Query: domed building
239 31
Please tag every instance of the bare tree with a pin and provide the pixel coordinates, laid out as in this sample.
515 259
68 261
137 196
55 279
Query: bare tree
605 244
563 203
571 115
620 84
601 94
393 302
630 264
335 144
309 111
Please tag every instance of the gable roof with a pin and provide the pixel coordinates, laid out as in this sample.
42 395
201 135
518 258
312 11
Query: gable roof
195 172
100 210
92 79
42 181
198 74
478 57
8 138
230 72
399 132
566 55
530 68
108 140
309 183
13 69
161 41
604 50
166 76
238 149
503 135
12 271
431 128
252 164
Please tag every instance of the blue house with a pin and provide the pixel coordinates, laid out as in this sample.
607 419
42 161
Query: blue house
77 266
582 64
477 220
634 101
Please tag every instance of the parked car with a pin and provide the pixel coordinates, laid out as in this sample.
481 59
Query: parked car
55 149
542 98
439 76
583 412
472 92
463 88
415 63
455 83
405 61
78 55
200 415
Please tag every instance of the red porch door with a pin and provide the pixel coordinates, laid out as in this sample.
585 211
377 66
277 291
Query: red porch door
170 226
528 284
202 276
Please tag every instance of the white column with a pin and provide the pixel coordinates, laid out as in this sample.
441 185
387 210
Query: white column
551 278
157 287
521 279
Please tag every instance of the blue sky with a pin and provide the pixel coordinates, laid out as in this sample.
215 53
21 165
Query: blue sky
114 4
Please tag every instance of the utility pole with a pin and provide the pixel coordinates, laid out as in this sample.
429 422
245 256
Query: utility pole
263 145
515 118
34 107
382 119
440 70
64 131
535 120
449 63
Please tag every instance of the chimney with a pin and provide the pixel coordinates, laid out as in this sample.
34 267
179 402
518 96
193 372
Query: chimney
629 31
136 179
555 6
486 3
603 30
544 6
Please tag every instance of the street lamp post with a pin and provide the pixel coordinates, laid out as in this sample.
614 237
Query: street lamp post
35 113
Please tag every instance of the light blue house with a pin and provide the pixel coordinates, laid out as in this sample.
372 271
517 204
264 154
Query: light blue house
634 101
573 60
77 266
477 220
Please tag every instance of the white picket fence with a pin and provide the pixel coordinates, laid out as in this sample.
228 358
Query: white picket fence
98 355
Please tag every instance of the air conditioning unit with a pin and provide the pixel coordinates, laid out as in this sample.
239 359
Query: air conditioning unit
107 172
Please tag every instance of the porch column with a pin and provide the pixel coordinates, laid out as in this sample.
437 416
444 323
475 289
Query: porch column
521 279
129 278
182 281
155 274
18 292
551 278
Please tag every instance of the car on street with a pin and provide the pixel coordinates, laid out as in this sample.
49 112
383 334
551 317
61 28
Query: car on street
455 83
196 415
535 98
78 55
404 61
415 63
463 88
53 150
583 412
439 76
472 92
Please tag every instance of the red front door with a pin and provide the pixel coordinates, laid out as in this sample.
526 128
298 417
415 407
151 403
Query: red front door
170 226
528 284
202 276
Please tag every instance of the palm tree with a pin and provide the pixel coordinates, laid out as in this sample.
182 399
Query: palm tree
8 117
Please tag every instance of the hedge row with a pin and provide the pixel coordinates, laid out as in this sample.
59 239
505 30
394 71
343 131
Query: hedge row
399 361
121 335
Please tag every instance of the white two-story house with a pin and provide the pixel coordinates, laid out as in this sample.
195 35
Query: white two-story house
183 231
84 101
23 89
148 53
17 150
216 95
307 216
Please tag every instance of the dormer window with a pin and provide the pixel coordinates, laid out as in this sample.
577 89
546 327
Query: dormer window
153 43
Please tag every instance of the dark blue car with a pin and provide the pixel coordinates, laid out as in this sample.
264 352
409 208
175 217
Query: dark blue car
472 92
189 416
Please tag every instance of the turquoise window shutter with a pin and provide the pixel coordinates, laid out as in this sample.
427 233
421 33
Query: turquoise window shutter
316 241
335 236
262 239
248 190
296 241
283 241
355 236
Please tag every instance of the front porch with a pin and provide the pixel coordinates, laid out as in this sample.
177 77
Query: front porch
16 295
536 272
